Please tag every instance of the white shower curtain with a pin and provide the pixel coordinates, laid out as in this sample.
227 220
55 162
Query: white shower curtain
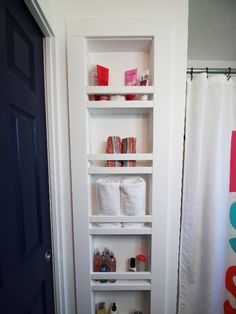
205 250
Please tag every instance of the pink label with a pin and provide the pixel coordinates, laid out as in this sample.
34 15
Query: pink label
232 186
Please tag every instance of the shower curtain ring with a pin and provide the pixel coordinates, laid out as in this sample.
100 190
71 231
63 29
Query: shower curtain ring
207 71
229 74
191 73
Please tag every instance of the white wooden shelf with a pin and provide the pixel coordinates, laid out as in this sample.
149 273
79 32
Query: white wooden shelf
119 170
123 285
142 156
125 107
120 231
98 218
124 104
139 275
119 90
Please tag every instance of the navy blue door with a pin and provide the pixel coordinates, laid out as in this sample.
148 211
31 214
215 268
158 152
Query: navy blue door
26 284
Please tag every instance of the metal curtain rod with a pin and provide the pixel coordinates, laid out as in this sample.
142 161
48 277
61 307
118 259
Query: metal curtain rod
211 70
226 71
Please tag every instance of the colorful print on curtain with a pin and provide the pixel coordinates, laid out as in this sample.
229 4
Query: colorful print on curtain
230 284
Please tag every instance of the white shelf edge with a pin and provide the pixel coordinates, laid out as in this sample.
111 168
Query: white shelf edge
121 285
91 90
139 156
132 104
98 218
120 231
122 275
119 170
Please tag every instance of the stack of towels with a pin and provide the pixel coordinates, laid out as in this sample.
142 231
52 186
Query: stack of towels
121 197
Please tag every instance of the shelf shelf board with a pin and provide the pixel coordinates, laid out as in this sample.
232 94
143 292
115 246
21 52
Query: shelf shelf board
119 90
124 104
98 218
139 106
121 285
144 275
120 231
119 170
142 156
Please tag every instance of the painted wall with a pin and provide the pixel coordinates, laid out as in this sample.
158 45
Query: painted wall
212 30
178 12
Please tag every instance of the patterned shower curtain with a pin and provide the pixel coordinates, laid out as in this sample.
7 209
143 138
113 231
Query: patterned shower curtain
207 272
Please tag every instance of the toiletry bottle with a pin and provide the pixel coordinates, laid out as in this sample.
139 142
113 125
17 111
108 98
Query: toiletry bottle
111 267
96 260
101 308
114 309
132 264
107 255
141 262
103 267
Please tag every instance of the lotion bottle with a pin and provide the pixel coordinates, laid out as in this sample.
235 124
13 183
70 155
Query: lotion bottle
101 308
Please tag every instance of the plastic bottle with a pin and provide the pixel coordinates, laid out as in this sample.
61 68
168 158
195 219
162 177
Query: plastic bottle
101 308
141 262
107 255
103 266
111 267
132 266
114 309
96 260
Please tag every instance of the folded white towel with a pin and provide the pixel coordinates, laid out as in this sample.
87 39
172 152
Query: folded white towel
108 199
133 199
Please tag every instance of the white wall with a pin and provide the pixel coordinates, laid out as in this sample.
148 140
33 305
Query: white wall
212 30
178 11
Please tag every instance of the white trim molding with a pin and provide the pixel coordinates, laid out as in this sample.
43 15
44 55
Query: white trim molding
40 17
54 173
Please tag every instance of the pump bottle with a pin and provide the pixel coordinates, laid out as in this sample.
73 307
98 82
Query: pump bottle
114 309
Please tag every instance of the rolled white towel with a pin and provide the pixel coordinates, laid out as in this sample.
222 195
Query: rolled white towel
108 199
133 199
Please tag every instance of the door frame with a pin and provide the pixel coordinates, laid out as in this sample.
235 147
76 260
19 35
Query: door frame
52 121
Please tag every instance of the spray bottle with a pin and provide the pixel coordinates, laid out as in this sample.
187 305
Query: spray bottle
103 266
112 265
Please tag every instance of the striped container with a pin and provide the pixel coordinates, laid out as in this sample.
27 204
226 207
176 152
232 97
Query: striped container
113 147
129 147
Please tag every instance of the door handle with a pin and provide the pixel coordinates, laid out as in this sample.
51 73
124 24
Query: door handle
48 256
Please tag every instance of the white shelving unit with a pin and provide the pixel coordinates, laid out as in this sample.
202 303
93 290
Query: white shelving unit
91 122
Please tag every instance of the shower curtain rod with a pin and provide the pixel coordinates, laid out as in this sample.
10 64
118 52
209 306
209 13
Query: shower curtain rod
227 71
